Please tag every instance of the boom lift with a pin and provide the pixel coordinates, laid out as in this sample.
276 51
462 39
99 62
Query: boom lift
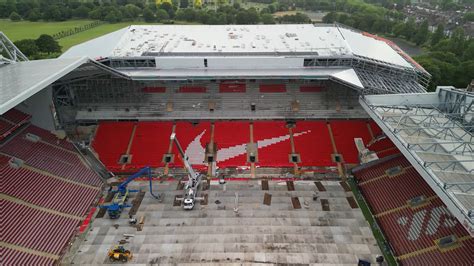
119 202
194 179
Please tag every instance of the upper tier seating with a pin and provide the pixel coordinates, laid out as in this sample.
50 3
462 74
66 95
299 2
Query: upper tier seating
10 121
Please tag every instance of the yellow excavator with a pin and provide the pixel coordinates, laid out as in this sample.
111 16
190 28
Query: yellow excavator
119 253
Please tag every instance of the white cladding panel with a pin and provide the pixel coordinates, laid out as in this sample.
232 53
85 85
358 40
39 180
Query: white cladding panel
228 62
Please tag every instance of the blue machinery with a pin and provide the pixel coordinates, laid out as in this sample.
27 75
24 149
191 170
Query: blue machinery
114 209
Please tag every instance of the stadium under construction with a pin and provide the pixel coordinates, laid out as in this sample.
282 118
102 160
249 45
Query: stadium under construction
233 144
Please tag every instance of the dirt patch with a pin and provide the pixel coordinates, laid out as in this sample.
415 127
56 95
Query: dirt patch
290 185
320 186
177 201
296 203
345 186
264 184
267 199
136 203
352 202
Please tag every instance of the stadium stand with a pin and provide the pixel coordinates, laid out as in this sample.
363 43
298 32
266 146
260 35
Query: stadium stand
36 229
311 88
12 120
344 133
150 142
16 257
111 142
313 143
192 89
228 134
55 194
411 215
226 87
50 158
275 155
196 134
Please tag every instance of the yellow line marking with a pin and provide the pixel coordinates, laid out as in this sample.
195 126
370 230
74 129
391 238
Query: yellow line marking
430 249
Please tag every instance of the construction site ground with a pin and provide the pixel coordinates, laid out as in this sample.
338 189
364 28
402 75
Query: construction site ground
236 227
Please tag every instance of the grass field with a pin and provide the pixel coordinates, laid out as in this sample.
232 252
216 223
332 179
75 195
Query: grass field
32 30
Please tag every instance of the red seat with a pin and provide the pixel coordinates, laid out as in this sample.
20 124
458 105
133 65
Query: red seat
344 132
231 139
273 140
313 143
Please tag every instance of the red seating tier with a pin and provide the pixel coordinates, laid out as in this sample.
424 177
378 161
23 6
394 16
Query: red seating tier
231 134
49 137
462 255
380 168
232 87
47 191
35 229
15 257
410 230
150 143
277 135
313 143
51 159
187 132
16 117
111 141
344 133
376 192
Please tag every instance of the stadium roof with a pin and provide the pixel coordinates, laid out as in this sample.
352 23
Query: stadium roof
169 40
435 133
22 80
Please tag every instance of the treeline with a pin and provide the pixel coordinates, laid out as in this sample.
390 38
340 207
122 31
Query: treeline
43 47
450 60
132 10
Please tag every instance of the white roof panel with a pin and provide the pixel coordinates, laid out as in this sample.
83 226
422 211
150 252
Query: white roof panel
21 80
369 47
292 39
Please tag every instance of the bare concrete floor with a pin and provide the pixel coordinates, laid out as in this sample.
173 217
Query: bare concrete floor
255 234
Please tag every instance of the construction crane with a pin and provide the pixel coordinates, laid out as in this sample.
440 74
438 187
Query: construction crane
194 179
119 202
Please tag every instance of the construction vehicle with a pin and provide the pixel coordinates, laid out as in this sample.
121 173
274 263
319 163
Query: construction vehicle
194 179
119 253
119 202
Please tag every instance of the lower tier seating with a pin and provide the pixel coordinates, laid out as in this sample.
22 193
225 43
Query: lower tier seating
231 139
15 257
412 230
273 140
111 142
46 191
193 138
36 229
344 132
313 143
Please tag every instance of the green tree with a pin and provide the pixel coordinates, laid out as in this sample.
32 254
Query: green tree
267 19
81 12
47 44
330 17
15 16
34 15
161 15
457 41
409 29
114 15
130 11
183 3
249 16
438 35
148 15
422 34
27 47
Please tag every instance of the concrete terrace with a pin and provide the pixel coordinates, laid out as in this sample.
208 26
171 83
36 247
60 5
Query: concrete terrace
257 233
